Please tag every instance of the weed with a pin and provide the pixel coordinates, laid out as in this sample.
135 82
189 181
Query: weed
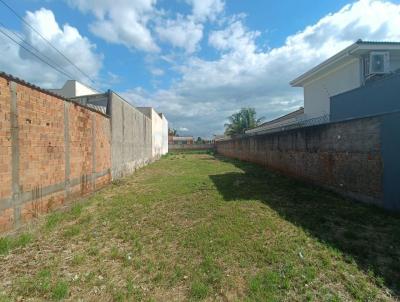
114 253
9 243
40 284
76 210
60 290
198 290
93 250
78 259
72 231
54 219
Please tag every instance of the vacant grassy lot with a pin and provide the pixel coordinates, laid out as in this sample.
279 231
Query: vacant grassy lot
196 227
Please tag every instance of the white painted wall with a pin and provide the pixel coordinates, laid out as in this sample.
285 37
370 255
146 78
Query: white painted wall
157 134
164 148
81 89
73 88
318 91
156 128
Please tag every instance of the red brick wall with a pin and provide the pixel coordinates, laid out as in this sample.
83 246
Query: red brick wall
81 153
42 165
32 209
41 139
103 149
6 219
103 144
6 216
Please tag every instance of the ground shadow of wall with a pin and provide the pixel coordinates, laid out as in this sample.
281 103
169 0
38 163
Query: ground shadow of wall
365 233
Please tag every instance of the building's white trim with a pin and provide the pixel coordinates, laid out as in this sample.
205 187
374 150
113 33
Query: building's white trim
299 81
356 49
324 75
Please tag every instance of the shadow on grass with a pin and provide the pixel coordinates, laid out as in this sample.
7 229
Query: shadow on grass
362 232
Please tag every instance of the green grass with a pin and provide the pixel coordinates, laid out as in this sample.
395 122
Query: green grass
199 290
60 290
9 243
195 227
43 285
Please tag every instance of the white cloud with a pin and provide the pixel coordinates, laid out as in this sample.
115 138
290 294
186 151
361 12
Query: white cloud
122 21
234 38
206 9
243 75
157 72
137 23
183 33
68 40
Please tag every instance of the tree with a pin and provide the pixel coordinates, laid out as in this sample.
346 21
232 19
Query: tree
199 140
172 132
239 122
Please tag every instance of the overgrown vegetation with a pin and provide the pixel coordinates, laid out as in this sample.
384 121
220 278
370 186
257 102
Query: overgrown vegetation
240 121
197 227
8 243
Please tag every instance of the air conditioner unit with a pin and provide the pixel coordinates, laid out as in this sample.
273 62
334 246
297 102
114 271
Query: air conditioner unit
379 62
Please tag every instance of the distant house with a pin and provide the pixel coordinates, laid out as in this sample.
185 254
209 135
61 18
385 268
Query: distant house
287 119
218 137
182 140
138 119
73 88
159 129
165 138
351 68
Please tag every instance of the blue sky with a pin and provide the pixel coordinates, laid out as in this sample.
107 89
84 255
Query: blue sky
198 61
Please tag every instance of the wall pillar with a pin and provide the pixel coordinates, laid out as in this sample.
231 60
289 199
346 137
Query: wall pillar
16 189
67 150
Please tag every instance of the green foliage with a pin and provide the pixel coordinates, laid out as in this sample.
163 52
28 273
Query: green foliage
9 243
198 290
78 259
4 298
72 231
54 219
42 285
60 291
268 287
172 132
245 119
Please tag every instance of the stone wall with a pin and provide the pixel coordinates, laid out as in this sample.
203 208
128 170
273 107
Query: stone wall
51 150
355 157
